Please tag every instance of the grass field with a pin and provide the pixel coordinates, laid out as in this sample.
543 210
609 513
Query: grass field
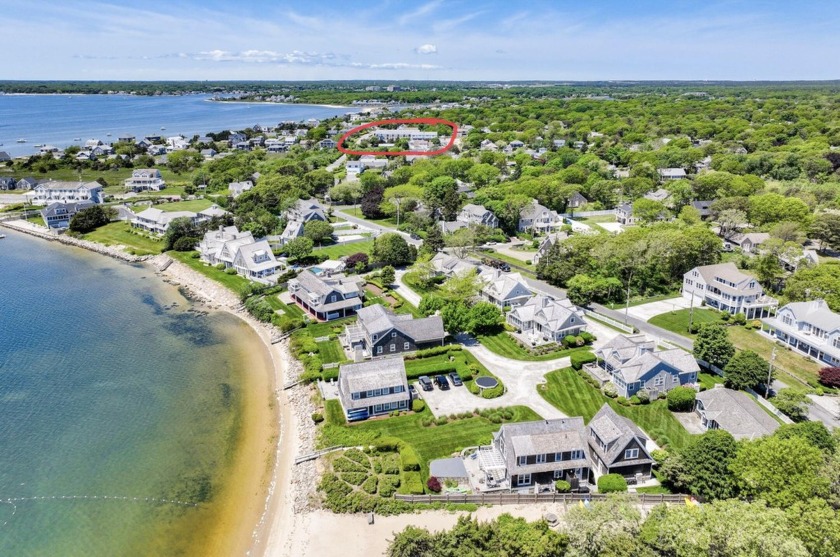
677 321
120 233
194 205
330 351
340 250
505 345
430 442
234 282
570 393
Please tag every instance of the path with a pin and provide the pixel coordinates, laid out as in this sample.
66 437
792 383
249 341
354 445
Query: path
338 162
404 290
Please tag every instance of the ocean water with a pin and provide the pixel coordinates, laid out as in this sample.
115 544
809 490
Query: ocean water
59 119
106 389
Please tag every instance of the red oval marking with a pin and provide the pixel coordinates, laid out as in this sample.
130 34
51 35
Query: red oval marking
433 121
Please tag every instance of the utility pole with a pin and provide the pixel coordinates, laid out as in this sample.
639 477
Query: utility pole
769 374
691 311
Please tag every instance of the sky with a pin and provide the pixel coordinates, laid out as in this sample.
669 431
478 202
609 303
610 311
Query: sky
489 40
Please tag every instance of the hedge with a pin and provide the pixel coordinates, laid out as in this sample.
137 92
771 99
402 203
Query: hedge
434 351
681 399
612 483
369 485
409 460
412 483
579 359
418 405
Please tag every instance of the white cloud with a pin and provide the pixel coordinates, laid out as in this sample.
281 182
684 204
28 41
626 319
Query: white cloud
298 57
426 49
423 10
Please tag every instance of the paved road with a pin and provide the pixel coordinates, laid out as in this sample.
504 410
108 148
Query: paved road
377 228
821 410
404 290
645 327
338 162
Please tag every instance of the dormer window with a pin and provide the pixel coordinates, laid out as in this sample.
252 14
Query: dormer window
631 453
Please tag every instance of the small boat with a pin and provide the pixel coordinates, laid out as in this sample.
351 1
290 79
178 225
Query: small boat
77 139
162 128
108 134
21 140
2 236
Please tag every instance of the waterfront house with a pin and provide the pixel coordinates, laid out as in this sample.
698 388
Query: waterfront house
538 453
4 156
220 245
66 192
27 183
546 319
327 298
380 332
238 188
7 183
403 132
634 364
501 288
538 219
211 212
255 261
735 412
624 214
373 388
157 221
810 328
208 154
58 215
726 288
671 174
298 215
145 179
85 156
618 446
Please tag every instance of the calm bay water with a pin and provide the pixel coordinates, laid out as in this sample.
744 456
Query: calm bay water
105 391
59 119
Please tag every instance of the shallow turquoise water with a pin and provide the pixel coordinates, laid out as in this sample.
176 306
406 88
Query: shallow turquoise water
104 391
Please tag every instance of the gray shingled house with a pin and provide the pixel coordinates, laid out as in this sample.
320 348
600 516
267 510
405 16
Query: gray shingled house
618 446
374 387
327 298
379 332
735 412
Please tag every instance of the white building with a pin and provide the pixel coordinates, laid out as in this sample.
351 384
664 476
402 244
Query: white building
539 219
810 328
66 192
725 288
145 179
403 133
546 319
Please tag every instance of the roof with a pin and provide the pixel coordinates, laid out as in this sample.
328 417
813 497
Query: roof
704 207
737 413
634 356
815 313
672 172
501 285
616 432
728 272
213 211
551 314
322 286
449 264
57 185
370 375
69 208
448 468
755 238
659 195
257 250
544 437
378 320
534 210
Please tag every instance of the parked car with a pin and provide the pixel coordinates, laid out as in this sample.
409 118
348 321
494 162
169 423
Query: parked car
441 382
425 383
456 380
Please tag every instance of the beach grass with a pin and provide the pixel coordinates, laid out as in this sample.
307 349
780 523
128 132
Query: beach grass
233 282
121 233
503 344
570 393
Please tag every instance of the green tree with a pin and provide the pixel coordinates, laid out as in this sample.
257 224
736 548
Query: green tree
90 219
712 345
392 249
648 210
746 370
826 229
813 432
605 528
483 317
730 221
702 467
462 286
433 242
455 317
412 542
179 228
817 526
387 275
793 404
299 248
318 231
780 471
821 281
483 174
773 207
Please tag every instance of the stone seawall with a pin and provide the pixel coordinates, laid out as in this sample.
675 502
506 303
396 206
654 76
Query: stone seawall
39 231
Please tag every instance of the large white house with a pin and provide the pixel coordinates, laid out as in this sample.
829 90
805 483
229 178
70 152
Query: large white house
66 192
539 219
724 287
403 133
157 221
547 319
256 262
372 388
220 246
327 298
810 328
503 289
145 179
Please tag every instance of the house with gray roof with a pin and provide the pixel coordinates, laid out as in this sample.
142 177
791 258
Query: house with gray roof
4 156
66 192
145 179
671 174
618 446
810 328
373 388
537 453
576 201
725 287
7 183
634 364
448 265
157 221
661 195
624 214
747 241
58 215
255 261
704 208
547 243
27 183
735 412
501 288
298 215
380 332
220 245
211 212
238 188
538 219
327 298
472 214
547 320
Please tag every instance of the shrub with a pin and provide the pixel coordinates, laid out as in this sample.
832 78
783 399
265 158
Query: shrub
369 485
317 417
739 319
409 460
433 484
635 400
473 388
220 266
562 486
587 337
412 483
443 420
354 478
623 401
391 465
388 485
357 456
230 271
377 466
643 396
681 399
830 376
612 483
418 405
659 455
610 390
580 359
495 392
344 465
569 340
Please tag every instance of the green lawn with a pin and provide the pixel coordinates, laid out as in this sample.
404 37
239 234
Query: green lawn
677 321
318 330
505 345
340 250
234 282
639 300
596 219
709 380
330 351
36 218
194 205
121 233
292 310
357 212
430 442
570 393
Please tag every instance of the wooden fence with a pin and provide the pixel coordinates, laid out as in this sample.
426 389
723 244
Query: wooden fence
609 321
506 498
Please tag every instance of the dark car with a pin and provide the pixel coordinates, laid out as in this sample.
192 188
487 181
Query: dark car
425 383
456 381
441 382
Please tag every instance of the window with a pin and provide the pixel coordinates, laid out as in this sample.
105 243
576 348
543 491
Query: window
393 347
558 457
369 394
541 459
659 381
631 453
572 320
521 461
787 320
356 396
577 455
523 479
332 298
379 350
836 342
373 338
558 474
393 335
406 346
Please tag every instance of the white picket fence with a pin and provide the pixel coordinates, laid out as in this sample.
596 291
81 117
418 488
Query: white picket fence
609 321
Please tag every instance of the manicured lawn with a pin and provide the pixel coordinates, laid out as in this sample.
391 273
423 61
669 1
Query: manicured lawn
677 321
505 345
121 233
357 212
331 351
340 250
194 205
234 282
639 300
292 310
318 330
430 442
709 380
37 219
568 391
596 219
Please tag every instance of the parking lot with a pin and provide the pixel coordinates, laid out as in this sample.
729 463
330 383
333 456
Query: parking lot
457 399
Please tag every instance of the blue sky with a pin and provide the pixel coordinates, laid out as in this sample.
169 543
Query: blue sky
434 40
